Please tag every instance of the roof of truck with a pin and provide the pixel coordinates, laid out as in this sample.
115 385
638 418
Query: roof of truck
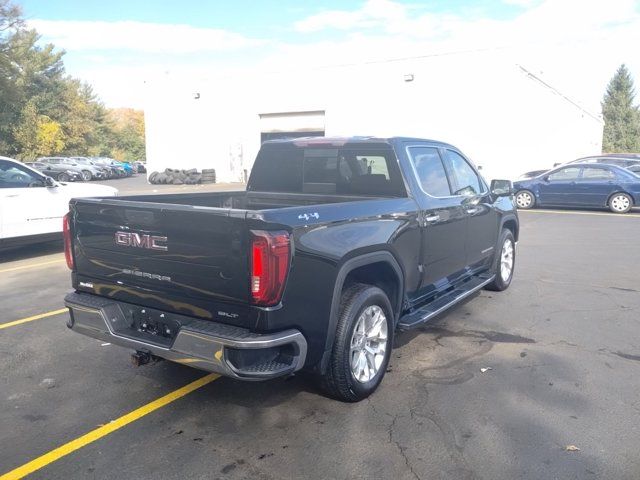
339 141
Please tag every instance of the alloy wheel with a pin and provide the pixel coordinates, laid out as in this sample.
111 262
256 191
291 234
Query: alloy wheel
506 260
368 344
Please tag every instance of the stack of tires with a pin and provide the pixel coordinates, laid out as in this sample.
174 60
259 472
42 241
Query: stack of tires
208 175
182 177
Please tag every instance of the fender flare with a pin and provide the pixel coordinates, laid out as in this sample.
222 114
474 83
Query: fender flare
346 268
514 218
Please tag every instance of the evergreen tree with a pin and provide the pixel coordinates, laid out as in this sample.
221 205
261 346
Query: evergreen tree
621 116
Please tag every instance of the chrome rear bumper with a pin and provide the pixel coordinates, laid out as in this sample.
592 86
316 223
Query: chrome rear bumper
215 347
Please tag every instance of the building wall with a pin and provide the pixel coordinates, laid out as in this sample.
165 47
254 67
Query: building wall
506 120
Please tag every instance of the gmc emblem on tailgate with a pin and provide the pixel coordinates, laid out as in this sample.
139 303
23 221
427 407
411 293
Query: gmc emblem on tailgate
131 239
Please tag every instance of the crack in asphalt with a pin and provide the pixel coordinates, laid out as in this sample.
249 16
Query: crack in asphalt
390 427
456 451
400 447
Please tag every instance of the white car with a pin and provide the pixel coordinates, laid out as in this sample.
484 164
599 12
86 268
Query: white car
32 205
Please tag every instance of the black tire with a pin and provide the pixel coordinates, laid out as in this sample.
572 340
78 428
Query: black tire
63 177
339 381
620 202
521 202
500 283
152 177
209 170
87 175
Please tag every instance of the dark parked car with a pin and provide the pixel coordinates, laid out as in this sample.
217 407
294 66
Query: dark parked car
335 244
115 171
140 167
620 159
104 172
581 185
531 174
58 172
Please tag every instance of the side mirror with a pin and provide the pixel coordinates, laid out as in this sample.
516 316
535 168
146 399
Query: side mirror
50 182
501 188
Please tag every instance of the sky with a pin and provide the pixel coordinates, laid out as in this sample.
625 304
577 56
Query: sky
575 45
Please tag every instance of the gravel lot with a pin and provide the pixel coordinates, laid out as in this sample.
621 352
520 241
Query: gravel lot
563 345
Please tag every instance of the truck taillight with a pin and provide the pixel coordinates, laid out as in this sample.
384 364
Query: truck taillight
270 256
66 233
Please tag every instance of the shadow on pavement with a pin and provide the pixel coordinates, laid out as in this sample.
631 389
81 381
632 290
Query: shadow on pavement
14 254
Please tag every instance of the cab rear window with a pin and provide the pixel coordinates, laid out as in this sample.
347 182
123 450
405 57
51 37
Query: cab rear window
348 170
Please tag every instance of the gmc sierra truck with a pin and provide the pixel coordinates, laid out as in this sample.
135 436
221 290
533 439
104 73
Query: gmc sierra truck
336 244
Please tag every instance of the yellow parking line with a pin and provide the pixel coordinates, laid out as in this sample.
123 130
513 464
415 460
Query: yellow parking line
566 212
34 265
31 319
104 430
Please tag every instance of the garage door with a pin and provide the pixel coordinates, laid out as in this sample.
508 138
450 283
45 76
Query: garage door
291 125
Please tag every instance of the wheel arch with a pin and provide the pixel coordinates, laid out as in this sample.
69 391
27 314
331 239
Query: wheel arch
380 269
511 222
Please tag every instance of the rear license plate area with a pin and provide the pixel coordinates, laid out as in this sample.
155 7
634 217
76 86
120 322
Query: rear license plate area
148 325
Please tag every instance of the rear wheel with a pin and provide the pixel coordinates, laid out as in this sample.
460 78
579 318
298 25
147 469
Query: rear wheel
525 199
504 262
362 346
86 175
63 177
620 203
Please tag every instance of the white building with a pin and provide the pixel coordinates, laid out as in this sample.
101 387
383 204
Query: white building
502 116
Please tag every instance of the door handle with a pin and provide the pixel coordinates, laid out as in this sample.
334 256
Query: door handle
432 218
13 195
472 210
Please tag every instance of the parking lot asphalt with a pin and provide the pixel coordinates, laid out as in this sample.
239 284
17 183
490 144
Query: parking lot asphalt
562 345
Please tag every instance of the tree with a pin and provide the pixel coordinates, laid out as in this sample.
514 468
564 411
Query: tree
128 130
621 116
44 111
37 135
10 95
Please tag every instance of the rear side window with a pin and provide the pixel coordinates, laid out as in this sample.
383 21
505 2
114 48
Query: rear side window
592 173
430 171
366 170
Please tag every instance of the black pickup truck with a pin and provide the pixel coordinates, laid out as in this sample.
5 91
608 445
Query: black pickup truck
335 244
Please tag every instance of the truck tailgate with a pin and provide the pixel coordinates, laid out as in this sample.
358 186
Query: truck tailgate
172 252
